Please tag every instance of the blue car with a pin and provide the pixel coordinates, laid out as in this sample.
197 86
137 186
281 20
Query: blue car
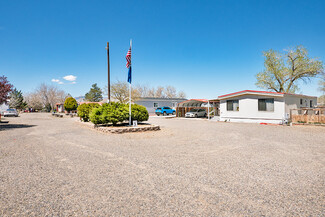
165 111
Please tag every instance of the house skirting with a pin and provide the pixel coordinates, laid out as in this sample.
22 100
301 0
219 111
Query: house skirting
252 120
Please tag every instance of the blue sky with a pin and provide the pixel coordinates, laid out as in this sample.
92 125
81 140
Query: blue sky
205 48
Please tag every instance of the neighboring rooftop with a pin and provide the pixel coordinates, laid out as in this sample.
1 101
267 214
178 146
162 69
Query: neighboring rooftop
160 98
256 92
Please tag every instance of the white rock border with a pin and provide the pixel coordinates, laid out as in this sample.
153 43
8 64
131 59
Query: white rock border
120 130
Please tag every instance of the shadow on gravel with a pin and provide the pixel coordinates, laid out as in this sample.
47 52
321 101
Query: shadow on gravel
5 126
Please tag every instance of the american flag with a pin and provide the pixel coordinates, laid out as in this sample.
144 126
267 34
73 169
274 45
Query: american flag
128 58
128 65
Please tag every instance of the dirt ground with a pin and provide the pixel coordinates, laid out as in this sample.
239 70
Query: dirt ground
55 166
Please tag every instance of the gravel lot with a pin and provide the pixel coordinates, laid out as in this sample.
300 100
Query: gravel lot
57 167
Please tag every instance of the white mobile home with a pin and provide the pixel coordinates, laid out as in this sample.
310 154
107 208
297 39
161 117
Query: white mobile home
261 106
152 103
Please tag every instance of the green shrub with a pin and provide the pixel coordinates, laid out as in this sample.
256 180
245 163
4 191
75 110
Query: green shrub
110 113
95 115
70 104
85 109
116 113
139 113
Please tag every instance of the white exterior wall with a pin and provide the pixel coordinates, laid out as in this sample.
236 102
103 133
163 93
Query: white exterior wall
4 107
248 110
293 102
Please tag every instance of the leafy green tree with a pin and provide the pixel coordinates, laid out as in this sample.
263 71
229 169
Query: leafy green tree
70 104
283 70
17 100
95 94
68 95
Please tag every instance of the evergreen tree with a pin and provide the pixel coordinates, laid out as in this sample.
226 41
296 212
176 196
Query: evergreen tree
94 94
68 95
17 100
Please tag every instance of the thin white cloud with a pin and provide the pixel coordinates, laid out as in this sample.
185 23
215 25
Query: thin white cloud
70 78
73 82
55 80
60 82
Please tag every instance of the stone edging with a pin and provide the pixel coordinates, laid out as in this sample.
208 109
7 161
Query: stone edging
120 130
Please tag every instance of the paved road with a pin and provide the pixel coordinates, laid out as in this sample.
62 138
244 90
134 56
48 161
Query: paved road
53 166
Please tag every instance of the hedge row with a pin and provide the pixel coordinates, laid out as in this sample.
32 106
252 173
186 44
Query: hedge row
112 113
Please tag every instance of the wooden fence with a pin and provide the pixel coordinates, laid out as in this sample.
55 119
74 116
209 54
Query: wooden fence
305 115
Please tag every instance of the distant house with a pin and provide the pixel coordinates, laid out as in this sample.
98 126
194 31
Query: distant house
261 106
152 103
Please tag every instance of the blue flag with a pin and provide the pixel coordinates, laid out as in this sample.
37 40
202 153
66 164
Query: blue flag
130 75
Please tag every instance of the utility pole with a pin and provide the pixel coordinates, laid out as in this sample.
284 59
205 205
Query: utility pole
108 76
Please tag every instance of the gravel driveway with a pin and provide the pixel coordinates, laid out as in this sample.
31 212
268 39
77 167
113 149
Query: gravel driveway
57 167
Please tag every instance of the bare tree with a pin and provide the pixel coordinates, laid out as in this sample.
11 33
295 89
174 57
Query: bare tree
120 92
45 96
151 92
143 90
181 94
160 92
321 99
34 101
170 92
322 84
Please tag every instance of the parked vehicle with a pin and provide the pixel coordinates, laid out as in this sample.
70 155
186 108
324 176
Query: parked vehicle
165 111
10 112
195 113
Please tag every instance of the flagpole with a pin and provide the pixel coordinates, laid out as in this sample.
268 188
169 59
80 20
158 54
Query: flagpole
130 91
108 76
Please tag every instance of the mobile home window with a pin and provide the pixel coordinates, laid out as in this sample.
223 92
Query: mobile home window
266 105
311 103
232 105
155 104
300 101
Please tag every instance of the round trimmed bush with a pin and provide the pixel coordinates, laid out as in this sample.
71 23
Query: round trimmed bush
70 104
